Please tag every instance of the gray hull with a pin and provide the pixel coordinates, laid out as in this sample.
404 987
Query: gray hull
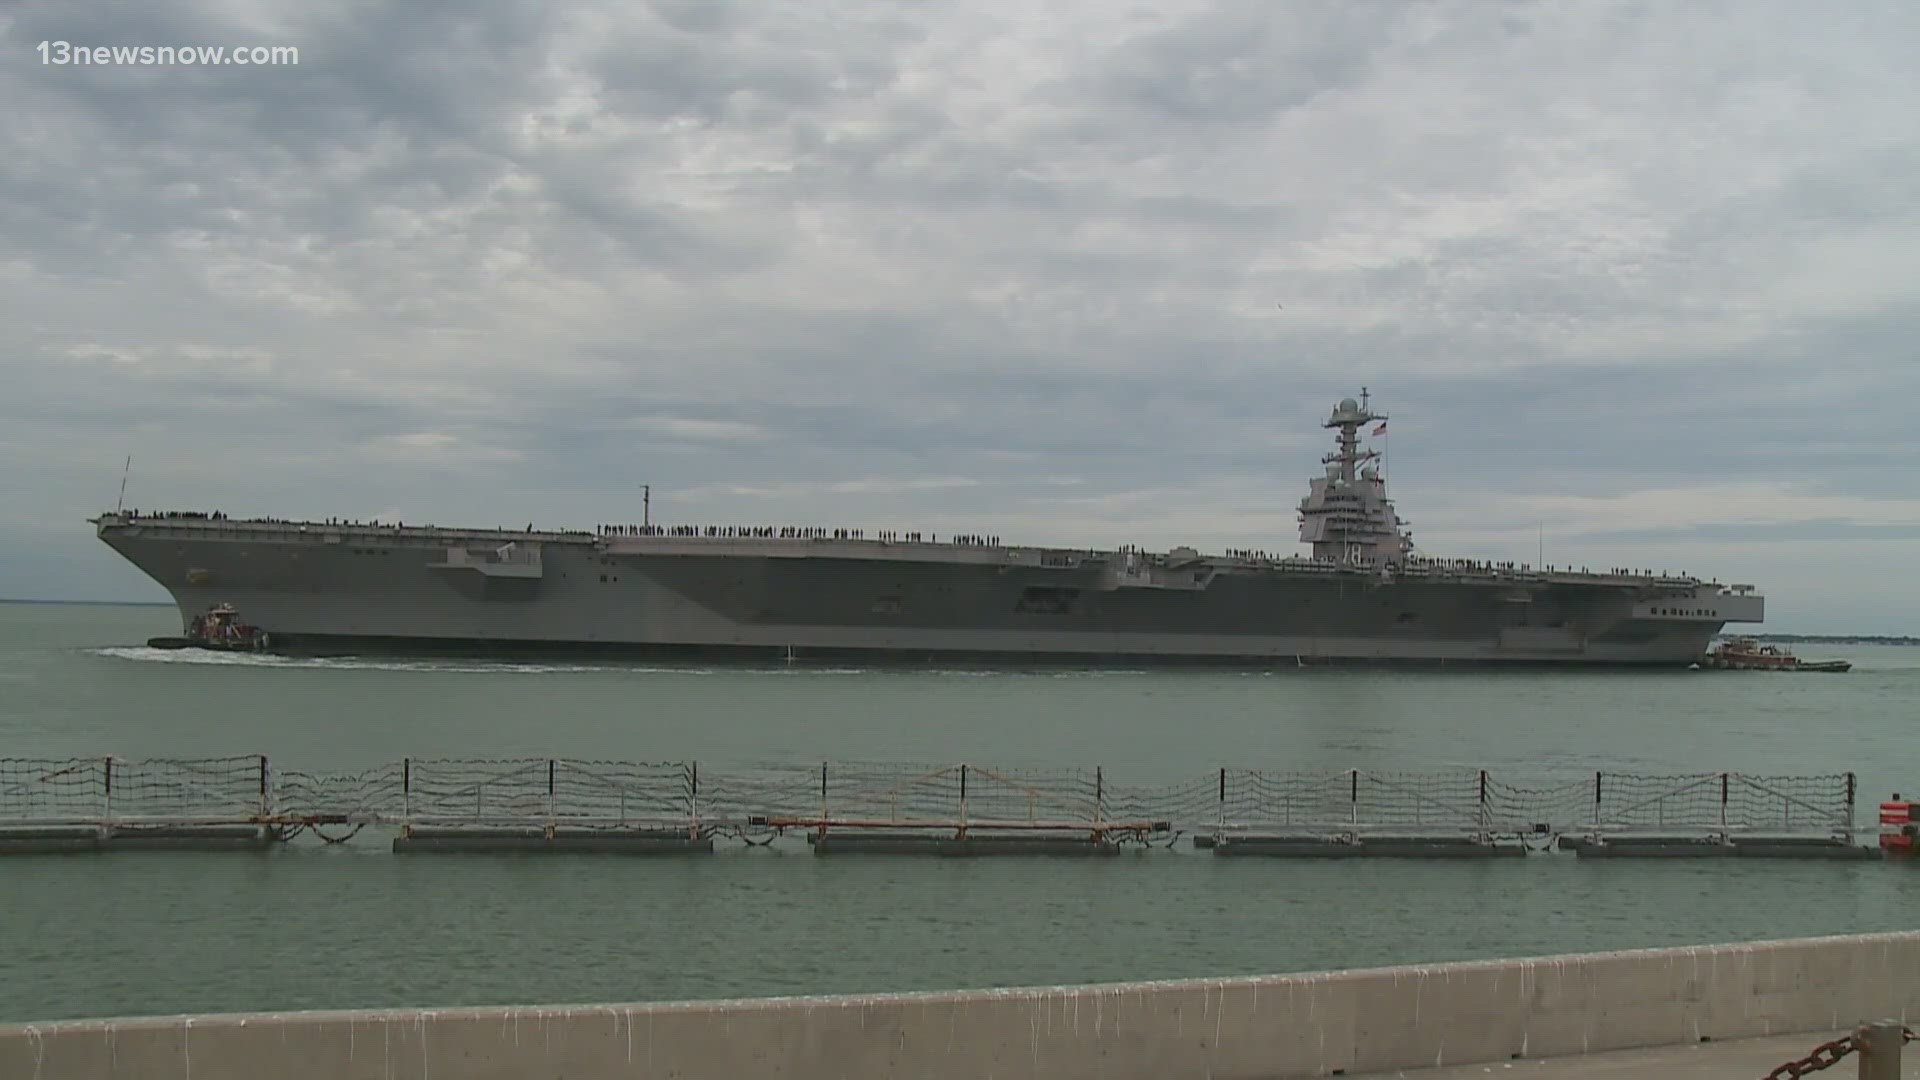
323 587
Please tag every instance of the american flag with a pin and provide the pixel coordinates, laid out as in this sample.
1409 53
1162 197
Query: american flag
1382 429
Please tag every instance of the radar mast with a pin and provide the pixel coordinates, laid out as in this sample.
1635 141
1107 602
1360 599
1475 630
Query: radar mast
1346 515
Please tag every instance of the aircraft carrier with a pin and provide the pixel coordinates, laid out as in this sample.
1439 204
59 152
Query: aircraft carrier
804 593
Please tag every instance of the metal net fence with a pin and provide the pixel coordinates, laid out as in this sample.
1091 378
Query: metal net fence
529 791
52 789
546 790
1353 800
1184 805
624 791
370 794
1552 802
133 790
1628 803
1268 800
1790 803
1721 802
781 791
905 793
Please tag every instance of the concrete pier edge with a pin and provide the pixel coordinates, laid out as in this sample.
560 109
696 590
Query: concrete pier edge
1310 1024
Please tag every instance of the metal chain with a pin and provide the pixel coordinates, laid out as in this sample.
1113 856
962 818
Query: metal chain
1826 1056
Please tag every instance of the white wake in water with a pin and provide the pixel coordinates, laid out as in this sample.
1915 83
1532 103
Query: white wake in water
203 657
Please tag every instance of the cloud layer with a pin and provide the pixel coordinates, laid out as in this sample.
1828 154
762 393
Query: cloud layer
1642 274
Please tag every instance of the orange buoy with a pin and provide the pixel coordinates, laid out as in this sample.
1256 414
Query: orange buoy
1897 827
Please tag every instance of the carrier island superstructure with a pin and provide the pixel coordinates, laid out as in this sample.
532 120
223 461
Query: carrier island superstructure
1360 592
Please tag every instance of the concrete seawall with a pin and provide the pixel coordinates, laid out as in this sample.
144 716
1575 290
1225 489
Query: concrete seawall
1266 1027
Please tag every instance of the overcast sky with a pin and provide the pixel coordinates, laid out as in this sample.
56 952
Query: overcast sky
1086 271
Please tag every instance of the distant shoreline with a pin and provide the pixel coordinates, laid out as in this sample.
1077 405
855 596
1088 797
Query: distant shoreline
1835 639
87 603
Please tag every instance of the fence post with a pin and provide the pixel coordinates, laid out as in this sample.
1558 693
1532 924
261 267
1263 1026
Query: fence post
963 800
406 795
1848 831
1596 805
1486 820
266 799
1099 794
1879 1045
1723 806
1223 802
552 818
1353 798
107 809
823 800
693 798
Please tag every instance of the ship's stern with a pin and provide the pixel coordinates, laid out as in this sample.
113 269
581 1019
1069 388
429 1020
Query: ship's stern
1738 604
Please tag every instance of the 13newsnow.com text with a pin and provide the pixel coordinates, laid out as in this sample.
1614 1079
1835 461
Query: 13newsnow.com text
71 55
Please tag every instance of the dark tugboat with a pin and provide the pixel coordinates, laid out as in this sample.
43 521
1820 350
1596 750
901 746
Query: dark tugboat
1746 654
220 629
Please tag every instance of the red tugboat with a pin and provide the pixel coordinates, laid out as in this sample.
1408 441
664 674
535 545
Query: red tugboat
220 629
1746 654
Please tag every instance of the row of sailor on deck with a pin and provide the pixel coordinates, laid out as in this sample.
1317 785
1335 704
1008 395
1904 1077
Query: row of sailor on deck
221 515
178 515
1486 565
790 532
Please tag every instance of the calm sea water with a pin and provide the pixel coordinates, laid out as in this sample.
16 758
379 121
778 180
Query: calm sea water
310 927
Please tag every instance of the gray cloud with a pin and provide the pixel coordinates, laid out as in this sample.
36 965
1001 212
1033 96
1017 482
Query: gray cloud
1748 533
1065 272
1242 63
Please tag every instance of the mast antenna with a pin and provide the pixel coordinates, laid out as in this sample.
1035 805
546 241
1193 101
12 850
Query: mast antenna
646 505
122 501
